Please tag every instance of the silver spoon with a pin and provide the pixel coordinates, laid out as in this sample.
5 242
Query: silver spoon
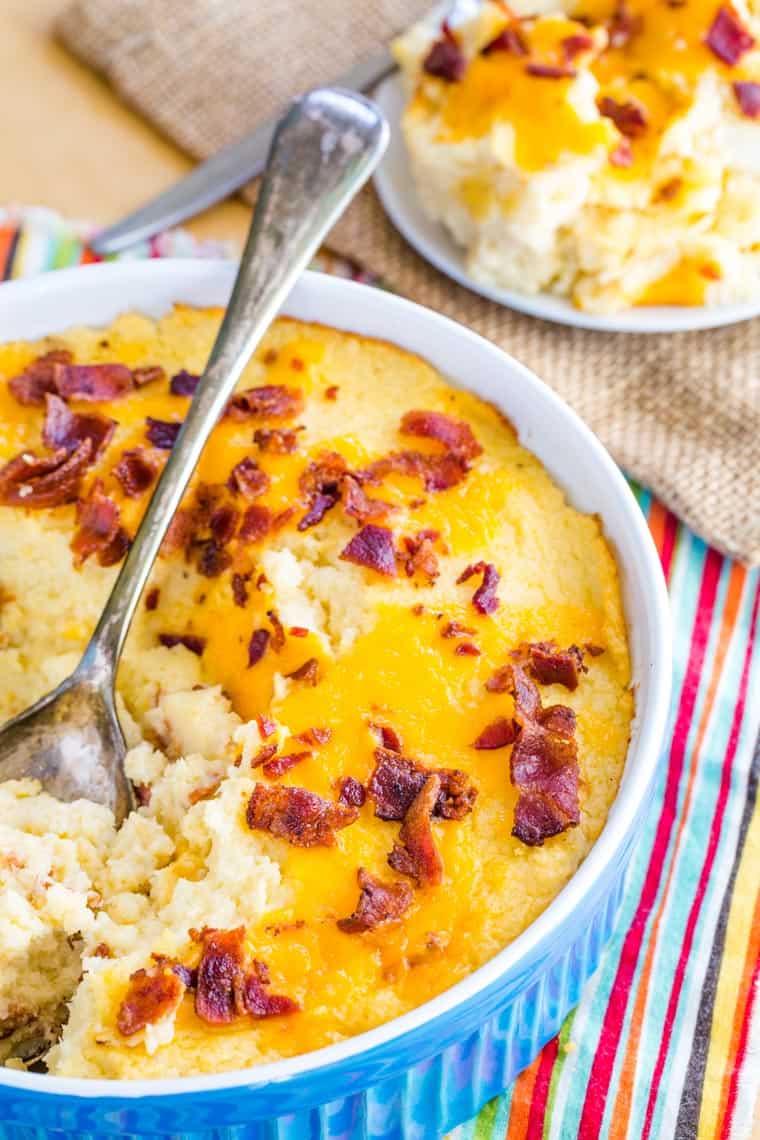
322 152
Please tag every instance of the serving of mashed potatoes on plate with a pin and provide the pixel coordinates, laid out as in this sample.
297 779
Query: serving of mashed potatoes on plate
376 698
606 151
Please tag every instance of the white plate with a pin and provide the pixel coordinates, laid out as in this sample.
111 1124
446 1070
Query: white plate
396 188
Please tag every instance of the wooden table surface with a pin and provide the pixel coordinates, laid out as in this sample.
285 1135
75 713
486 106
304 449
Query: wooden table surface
69 144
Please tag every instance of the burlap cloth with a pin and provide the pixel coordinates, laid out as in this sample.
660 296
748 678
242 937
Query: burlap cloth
680 412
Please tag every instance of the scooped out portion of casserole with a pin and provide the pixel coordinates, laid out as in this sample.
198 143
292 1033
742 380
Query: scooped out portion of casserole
377 696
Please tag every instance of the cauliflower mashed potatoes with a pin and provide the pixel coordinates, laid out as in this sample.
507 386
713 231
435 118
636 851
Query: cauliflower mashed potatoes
607 151
376 697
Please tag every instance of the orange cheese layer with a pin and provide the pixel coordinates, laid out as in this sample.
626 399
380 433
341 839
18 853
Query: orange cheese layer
558 581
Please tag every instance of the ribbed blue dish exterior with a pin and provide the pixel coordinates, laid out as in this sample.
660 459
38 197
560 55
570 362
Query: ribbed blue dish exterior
415 1088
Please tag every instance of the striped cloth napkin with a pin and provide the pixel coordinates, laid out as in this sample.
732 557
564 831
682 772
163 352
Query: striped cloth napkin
666 1041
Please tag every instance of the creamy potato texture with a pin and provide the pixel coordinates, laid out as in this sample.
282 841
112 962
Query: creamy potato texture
608 152
378 660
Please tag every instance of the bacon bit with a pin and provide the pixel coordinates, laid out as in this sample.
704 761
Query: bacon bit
397 779
378 903
212 560
315 737
204 793
668 190
419 554
257 646
622 155
359 505
102 950
543 765
446 59
748 97
455 435
162 433
239 590
190 641
36 481
438 472
248 479
67 429
455 629
727 37
92 382
151 598
297 364
301 817
151 996
550 71
388 737
100 531
183 383
38 378
143 794
147 375
331 393
630 117
372 547
550 665
135 471
273 769
298 631
259 1003
573 46
268 400
256 523
510 40
466 649
623 26
352 792
418 609
264 754
308 672
484 599
320 482
278 631
501 680
270 356
266 726
498 734
593 650
278 441
180 532
415 853
223 524
219 993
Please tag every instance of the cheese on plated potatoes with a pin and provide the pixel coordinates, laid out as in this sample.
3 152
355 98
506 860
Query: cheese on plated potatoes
376 695
607 151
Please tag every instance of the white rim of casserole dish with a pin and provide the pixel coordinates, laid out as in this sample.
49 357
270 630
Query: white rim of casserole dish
95 294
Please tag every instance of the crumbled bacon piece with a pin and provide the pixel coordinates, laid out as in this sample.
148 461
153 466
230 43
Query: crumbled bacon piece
278 631
203 793
331 393
456 629
151 598
466 649
148 374
446 60
223 523
143 794
263 755
308 672
99 531
352 792
575 45
501 680
183 383
221 976
378 903
256 523
95 382
301 817
36 481
279 765
239 589
257 646
38 378
259 1002
248 479
419 554
389 738
550 665
359 505
269 400
298 631
135 471
455 435
212 560
278 441
498 734
748 97
593 650
67 429
550 71
372 547
190 641
630 117
510 40
623 26
320 482
415 853
162 433
151 996
727 37
438 472
266 726
314 737
543 765
622 155
484 599
397 779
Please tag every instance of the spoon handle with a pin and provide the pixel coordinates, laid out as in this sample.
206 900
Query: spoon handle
322 152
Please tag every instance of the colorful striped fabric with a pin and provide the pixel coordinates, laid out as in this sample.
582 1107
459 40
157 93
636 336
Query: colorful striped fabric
666 1042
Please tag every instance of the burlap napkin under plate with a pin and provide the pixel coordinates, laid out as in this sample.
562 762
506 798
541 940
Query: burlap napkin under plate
681 412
